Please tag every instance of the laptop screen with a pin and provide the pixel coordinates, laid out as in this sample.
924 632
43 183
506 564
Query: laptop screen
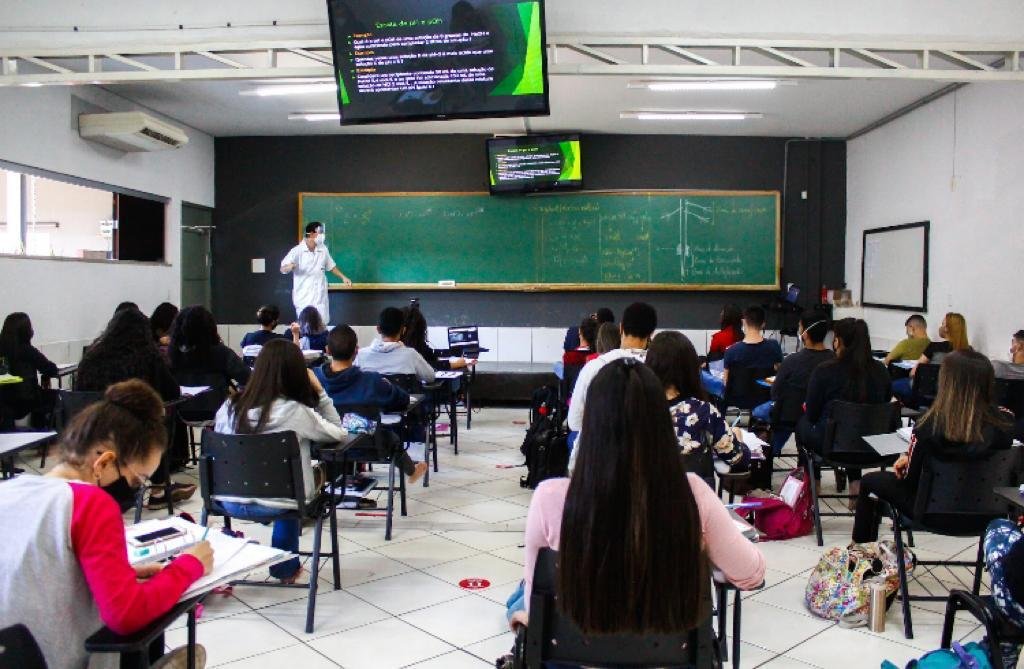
464 337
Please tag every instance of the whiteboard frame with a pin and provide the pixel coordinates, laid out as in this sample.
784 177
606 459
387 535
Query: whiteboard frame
923 307
564 287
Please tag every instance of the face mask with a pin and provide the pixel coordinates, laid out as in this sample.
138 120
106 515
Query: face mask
122 493
321 240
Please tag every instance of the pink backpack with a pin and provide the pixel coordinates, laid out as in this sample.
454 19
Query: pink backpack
777 520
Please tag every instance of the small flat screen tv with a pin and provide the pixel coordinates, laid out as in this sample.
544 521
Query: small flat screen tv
423 60
534 163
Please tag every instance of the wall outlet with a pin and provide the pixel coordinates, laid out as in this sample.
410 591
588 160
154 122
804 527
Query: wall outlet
259 265
803 195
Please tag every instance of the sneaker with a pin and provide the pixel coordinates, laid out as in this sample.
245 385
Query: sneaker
178 659
179 493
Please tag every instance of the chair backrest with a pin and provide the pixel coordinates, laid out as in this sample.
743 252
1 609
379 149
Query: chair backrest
18 649
552 637
1010 394
926 381
849 423
203 406
250 465
702 463
789 405
72 402
742 389
960 490
569 375
410 383
250 353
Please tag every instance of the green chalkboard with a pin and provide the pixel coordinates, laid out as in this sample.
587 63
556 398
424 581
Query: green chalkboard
686 240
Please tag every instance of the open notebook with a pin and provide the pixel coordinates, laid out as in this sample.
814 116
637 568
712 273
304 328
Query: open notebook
233 558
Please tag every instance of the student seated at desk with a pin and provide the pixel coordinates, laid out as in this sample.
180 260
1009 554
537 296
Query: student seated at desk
914 345
27 398
414 336
310 330
388 355
587 336
962 423
64 568
572 335
346 384
698 424
637 565
854 376
754 350
794 374
731 323
281 396
1014 368
609 338
196 351
267 316
953 331
160 320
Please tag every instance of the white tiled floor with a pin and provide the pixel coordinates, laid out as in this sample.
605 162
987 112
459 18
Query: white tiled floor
401 606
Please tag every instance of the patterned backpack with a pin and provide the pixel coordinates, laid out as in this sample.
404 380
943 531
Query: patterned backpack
838 586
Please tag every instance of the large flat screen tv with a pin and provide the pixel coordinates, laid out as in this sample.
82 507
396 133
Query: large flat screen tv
534 163
419 60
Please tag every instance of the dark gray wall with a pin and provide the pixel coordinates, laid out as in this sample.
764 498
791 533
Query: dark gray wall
258 178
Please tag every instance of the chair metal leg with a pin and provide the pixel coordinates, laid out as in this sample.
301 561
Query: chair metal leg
901 568
314 572
814 500
191 651
948 621
335 552
391 501
723 636
910 538
401 490
737 603
979 566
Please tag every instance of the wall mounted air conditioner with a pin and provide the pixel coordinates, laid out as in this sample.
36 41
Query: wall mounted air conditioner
130 131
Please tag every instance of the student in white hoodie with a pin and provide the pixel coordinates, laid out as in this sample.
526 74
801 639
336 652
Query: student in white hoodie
388 355
282 395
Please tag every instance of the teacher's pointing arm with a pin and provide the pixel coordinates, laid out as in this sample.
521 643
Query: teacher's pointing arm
332 267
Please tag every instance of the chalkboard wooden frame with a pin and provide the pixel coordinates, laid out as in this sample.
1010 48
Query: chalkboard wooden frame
564 287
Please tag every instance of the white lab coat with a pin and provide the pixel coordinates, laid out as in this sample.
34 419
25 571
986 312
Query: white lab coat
309 286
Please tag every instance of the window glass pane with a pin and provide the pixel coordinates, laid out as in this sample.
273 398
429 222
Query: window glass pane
68 220
10 212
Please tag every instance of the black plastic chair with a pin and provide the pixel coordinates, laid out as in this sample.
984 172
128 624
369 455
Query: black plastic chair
954 499
925 385
1010 395
267 466
198 412
844 447
370 454
552 637
19 650
420 420
569 375
997 628
742 389
138 649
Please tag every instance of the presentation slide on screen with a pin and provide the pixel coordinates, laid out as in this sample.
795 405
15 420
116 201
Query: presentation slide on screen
516 163
398 60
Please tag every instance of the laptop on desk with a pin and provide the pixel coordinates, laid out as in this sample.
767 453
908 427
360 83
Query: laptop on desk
464 341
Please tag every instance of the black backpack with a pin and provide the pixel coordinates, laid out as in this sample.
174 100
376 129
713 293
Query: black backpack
545 446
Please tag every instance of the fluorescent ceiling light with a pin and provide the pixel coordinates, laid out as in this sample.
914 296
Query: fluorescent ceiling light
710 85
292 89
668 115
314 116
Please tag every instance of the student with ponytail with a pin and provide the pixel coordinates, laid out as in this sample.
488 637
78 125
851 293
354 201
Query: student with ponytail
64 543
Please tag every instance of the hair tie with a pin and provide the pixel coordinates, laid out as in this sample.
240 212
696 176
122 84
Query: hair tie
630 362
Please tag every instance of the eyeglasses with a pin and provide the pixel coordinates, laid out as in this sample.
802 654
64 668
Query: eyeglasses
137 481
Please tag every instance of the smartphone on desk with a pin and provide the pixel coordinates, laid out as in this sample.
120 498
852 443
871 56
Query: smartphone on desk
150 538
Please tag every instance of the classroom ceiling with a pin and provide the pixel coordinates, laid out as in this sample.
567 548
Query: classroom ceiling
825 108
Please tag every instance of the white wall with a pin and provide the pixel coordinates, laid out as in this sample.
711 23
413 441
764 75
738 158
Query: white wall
957 163
69 300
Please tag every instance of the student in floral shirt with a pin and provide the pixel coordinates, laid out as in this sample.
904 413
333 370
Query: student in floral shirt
698 423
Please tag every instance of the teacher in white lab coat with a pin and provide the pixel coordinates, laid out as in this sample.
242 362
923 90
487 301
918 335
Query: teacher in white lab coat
309 261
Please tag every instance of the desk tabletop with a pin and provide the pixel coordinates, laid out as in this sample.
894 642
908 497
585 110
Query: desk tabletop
1011 495
65 368
449 374
12 442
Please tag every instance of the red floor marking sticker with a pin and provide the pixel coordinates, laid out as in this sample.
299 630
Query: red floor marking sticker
519 422
474 583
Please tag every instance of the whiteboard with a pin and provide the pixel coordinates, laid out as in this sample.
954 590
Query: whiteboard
894 267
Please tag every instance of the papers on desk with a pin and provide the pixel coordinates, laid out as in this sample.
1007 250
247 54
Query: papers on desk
448 374
192 391
10 378
162 548
755 444
887 444
904 433
233 558
904 364
311 356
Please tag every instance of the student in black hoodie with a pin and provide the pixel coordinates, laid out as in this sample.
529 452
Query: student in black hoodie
962 424
348 385
24 360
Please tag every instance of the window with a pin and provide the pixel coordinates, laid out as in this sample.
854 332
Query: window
49 217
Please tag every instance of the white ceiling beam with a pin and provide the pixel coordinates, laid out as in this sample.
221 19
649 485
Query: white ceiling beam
871 55
781 55
686 53
42 63
220 59
131 62
967 60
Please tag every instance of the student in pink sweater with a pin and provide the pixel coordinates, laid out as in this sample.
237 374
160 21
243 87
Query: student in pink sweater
634 531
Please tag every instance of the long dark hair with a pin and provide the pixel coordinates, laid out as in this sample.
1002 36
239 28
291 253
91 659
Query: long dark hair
193 336
162 318
732 319
125 350
17 332
672 357
310 321
965 402
414 332
855 355
131 415
631 533
280 372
